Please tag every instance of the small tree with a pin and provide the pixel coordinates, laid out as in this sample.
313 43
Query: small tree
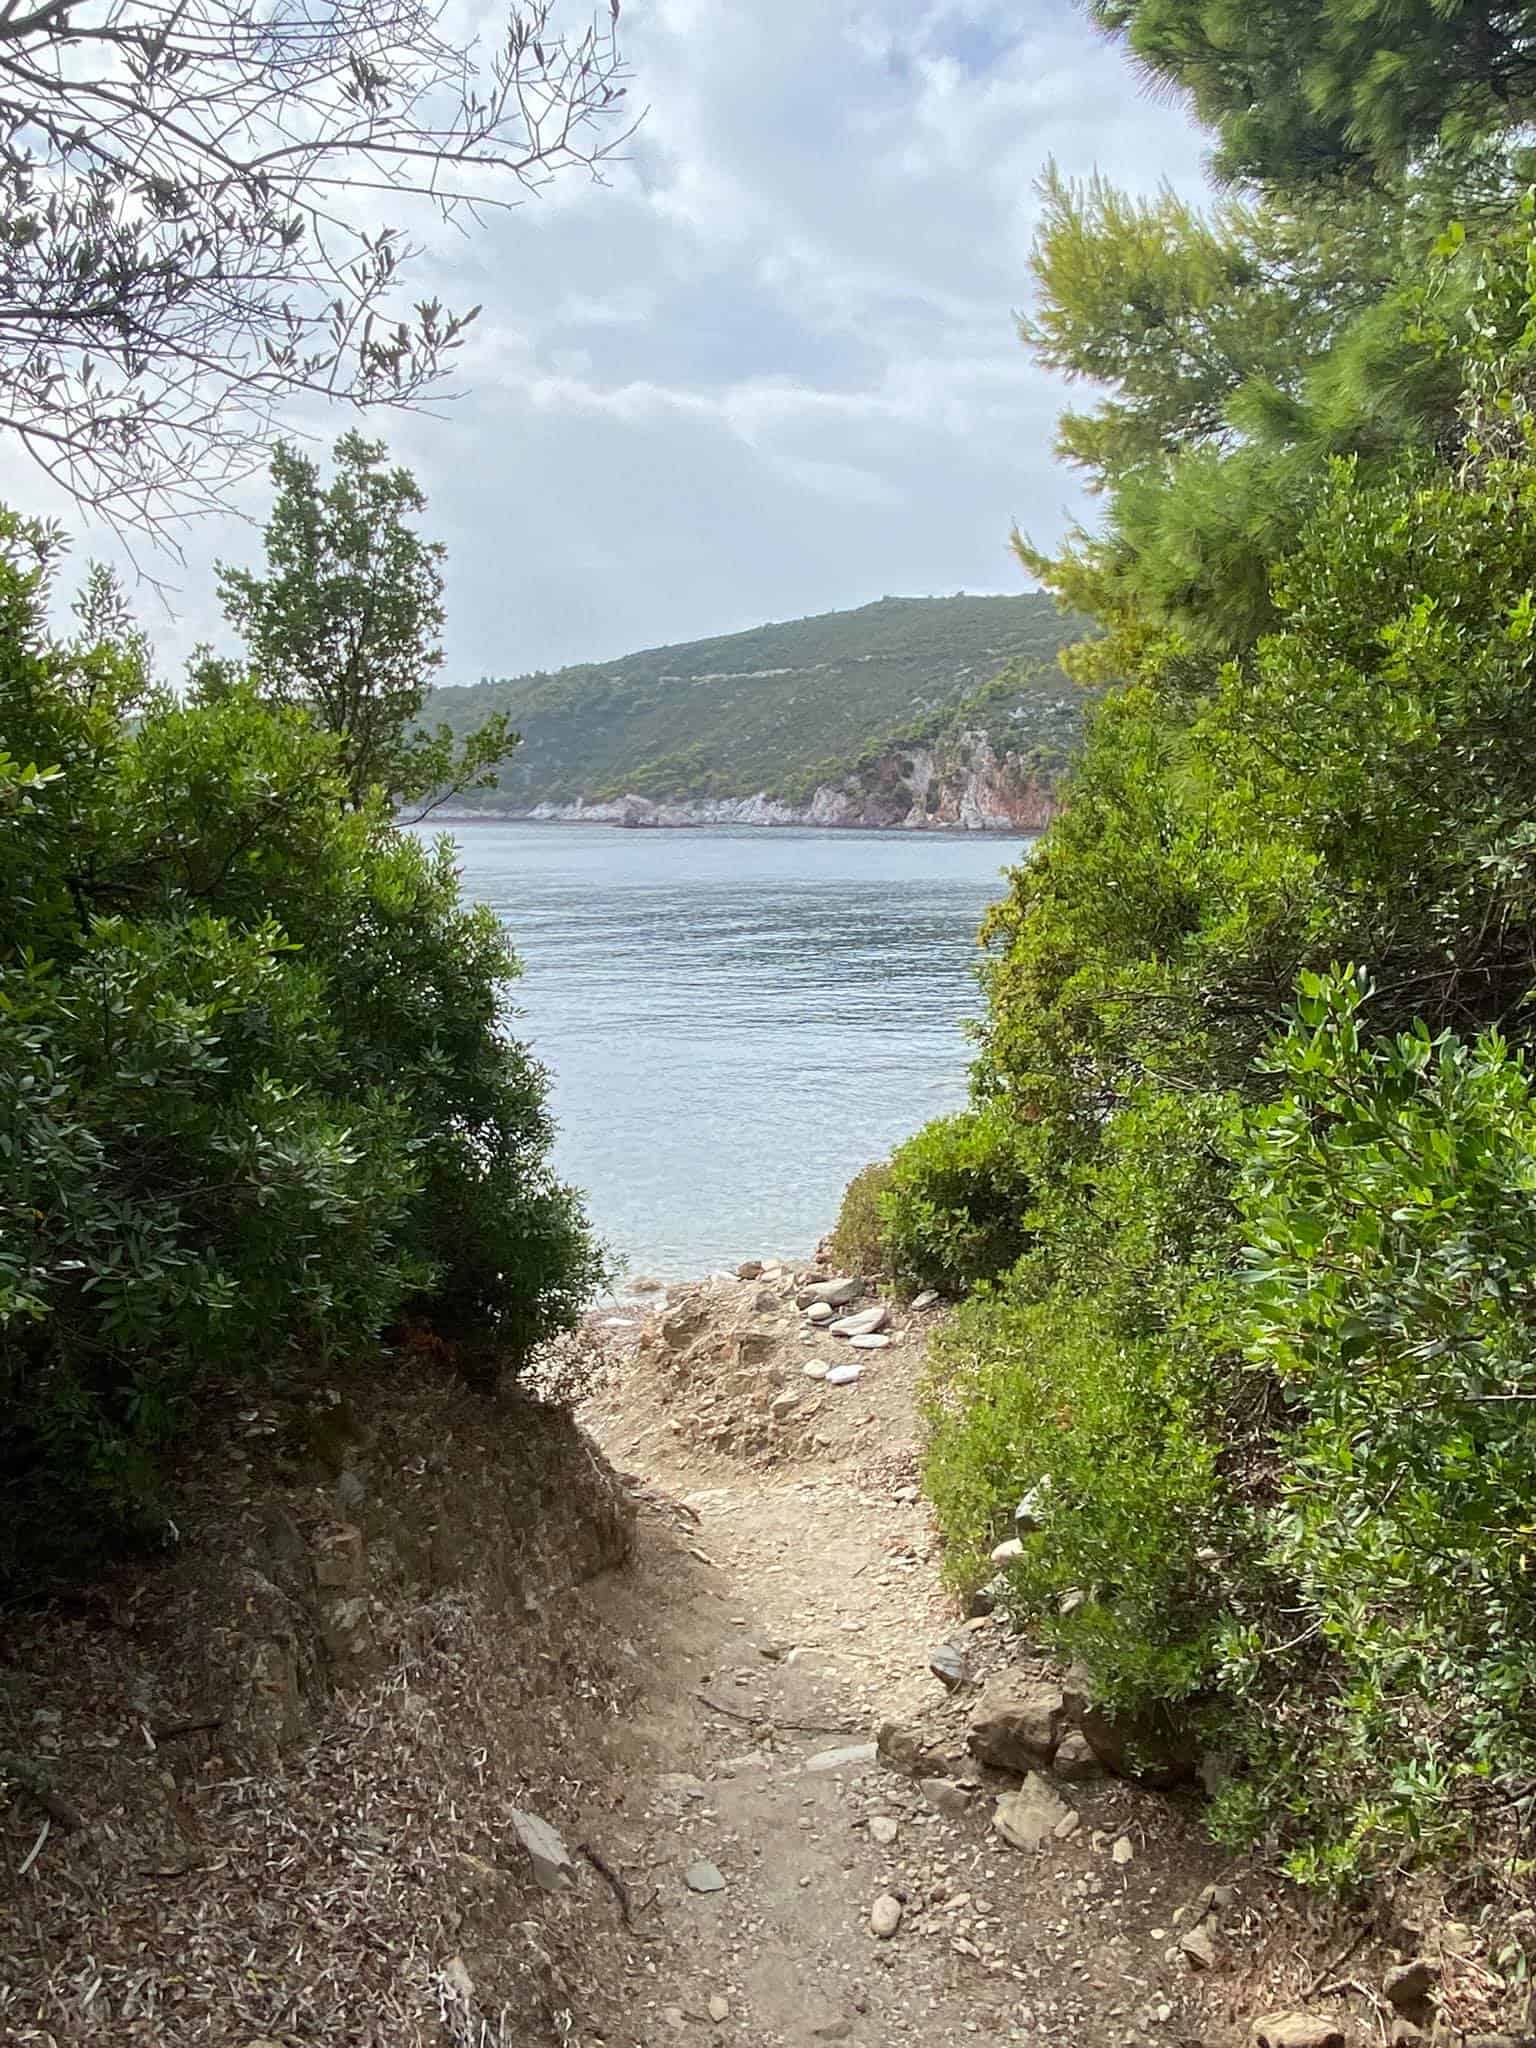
345 623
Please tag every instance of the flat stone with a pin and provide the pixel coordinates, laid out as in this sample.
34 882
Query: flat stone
885 1916
843 1375
843 1759
719 2009
832 2030
704 1877
815 1368
924 1300
864 1323
883 1830
835 1293
869 1343
554 1869
1026 1819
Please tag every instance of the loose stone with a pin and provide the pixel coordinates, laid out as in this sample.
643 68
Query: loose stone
884 1916
704 1877
842 1375
882 1830
870 1343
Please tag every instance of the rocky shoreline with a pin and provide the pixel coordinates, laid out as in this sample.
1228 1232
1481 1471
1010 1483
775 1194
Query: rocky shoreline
962 785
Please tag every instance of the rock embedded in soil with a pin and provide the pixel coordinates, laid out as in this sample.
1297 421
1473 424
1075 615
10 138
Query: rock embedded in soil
1018 1722
835 1293
1122 1853
719 2009
1026 1819
704 1877
885 1916
842 1759
1411 1983
1297 2030
870 1343
554 1868
882 1830
1074 1759
1149 1749
948 1665
946 1797
1199 1947
905 1748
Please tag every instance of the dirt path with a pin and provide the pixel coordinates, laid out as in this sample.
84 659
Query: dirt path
780 1613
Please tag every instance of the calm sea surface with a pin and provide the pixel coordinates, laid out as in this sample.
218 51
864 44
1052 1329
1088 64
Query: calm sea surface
736 1019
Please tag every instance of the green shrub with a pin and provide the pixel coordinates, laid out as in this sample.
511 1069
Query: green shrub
954 1210
1390 1200
858 1236
255 1099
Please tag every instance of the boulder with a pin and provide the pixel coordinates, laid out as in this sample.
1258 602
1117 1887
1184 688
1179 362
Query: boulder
1018 1722
1028 1818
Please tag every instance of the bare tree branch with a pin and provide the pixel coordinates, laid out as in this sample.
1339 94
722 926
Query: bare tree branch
190 201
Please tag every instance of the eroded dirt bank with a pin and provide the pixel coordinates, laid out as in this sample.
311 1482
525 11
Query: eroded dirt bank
439 1731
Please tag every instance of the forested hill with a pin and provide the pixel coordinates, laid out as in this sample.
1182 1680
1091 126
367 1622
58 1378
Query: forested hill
781 708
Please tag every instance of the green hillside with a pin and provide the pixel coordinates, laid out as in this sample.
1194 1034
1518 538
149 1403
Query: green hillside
779 708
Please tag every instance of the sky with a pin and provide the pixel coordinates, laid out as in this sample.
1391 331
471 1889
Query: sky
770 367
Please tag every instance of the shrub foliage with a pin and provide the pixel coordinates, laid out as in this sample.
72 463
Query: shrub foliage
255 1099
1259 1020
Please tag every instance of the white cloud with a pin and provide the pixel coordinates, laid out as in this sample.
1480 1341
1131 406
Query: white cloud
771 366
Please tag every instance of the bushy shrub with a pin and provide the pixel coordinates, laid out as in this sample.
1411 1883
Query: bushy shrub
858 1236
255 1099
1390 1203
954 1210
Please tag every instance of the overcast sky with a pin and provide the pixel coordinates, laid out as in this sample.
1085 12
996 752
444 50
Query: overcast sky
770 368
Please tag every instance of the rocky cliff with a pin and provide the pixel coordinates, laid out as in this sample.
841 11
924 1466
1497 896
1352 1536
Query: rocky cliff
960 783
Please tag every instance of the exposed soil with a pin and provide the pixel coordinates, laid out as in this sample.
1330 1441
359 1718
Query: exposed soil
266 1794
791 1618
